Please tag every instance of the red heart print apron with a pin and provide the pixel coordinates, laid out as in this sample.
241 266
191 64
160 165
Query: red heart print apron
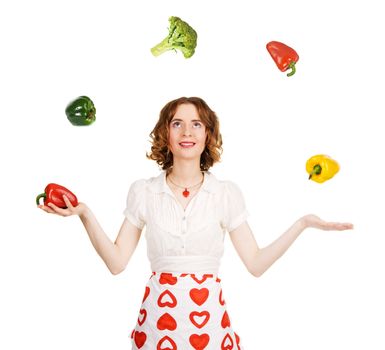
183 311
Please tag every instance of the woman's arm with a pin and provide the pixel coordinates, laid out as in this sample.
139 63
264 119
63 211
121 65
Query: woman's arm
257 260
115 255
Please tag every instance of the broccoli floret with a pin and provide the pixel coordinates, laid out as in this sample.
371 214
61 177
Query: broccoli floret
181 36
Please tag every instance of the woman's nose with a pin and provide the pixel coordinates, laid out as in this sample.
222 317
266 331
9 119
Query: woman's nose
186 131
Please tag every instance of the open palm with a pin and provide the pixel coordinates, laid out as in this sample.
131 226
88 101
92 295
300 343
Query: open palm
316 222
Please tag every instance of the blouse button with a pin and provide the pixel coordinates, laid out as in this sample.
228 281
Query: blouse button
184 225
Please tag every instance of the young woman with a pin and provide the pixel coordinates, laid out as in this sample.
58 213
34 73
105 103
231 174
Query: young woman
186 211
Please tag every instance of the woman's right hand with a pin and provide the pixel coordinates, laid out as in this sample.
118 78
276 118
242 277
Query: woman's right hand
70 210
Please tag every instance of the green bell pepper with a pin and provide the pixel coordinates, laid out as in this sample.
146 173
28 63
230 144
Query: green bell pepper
81 111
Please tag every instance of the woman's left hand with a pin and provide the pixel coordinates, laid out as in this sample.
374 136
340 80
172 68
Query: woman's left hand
313 221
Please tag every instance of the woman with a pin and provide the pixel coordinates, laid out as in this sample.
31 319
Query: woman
186 211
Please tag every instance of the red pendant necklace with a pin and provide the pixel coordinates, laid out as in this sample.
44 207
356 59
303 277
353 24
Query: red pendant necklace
186 191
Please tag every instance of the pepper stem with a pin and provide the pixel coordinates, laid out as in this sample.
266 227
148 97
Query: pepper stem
42 195
292 67
316 170
91 115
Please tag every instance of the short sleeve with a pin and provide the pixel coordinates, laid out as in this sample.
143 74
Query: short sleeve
135 206
235 212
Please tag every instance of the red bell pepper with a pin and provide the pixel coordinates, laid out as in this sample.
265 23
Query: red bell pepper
284 56
53 193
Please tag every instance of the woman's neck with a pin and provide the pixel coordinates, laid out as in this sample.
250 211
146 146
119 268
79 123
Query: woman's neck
186 174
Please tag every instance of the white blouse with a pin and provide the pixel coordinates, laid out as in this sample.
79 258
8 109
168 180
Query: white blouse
190 240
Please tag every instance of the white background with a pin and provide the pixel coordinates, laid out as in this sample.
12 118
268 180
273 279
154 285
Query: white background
326 292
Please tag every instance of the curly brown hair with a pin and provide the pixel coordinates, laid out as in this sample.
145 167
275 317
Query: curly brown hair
159 135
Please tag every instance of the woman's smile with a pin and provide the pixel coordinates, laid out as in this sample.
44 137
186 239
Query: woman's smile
187 144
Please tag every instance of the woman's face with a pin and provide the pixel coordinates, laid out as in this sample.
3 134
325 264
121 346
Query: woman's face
187 136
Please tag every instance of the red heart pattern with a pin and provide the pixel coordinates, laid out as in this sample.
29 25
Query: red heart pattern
165 343
167 278
140 339
142 317
199 319
199 342
166 290
146 294
237 339
166 321
202 279
227 343
167 299
199 296
221 301
225 320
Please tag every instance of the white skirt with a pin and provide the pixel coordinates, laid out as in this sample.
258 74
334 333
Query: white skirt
184 311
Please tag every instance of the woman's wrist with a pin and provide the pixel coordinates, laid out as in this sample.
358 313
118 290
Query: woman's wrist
84 211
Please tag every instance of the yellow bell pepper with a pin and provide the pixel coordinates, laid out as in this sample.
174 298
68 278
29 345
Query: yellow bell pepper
321 168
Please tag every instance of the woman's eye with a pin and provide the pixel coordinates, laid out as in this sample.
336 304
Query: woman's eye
178 124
